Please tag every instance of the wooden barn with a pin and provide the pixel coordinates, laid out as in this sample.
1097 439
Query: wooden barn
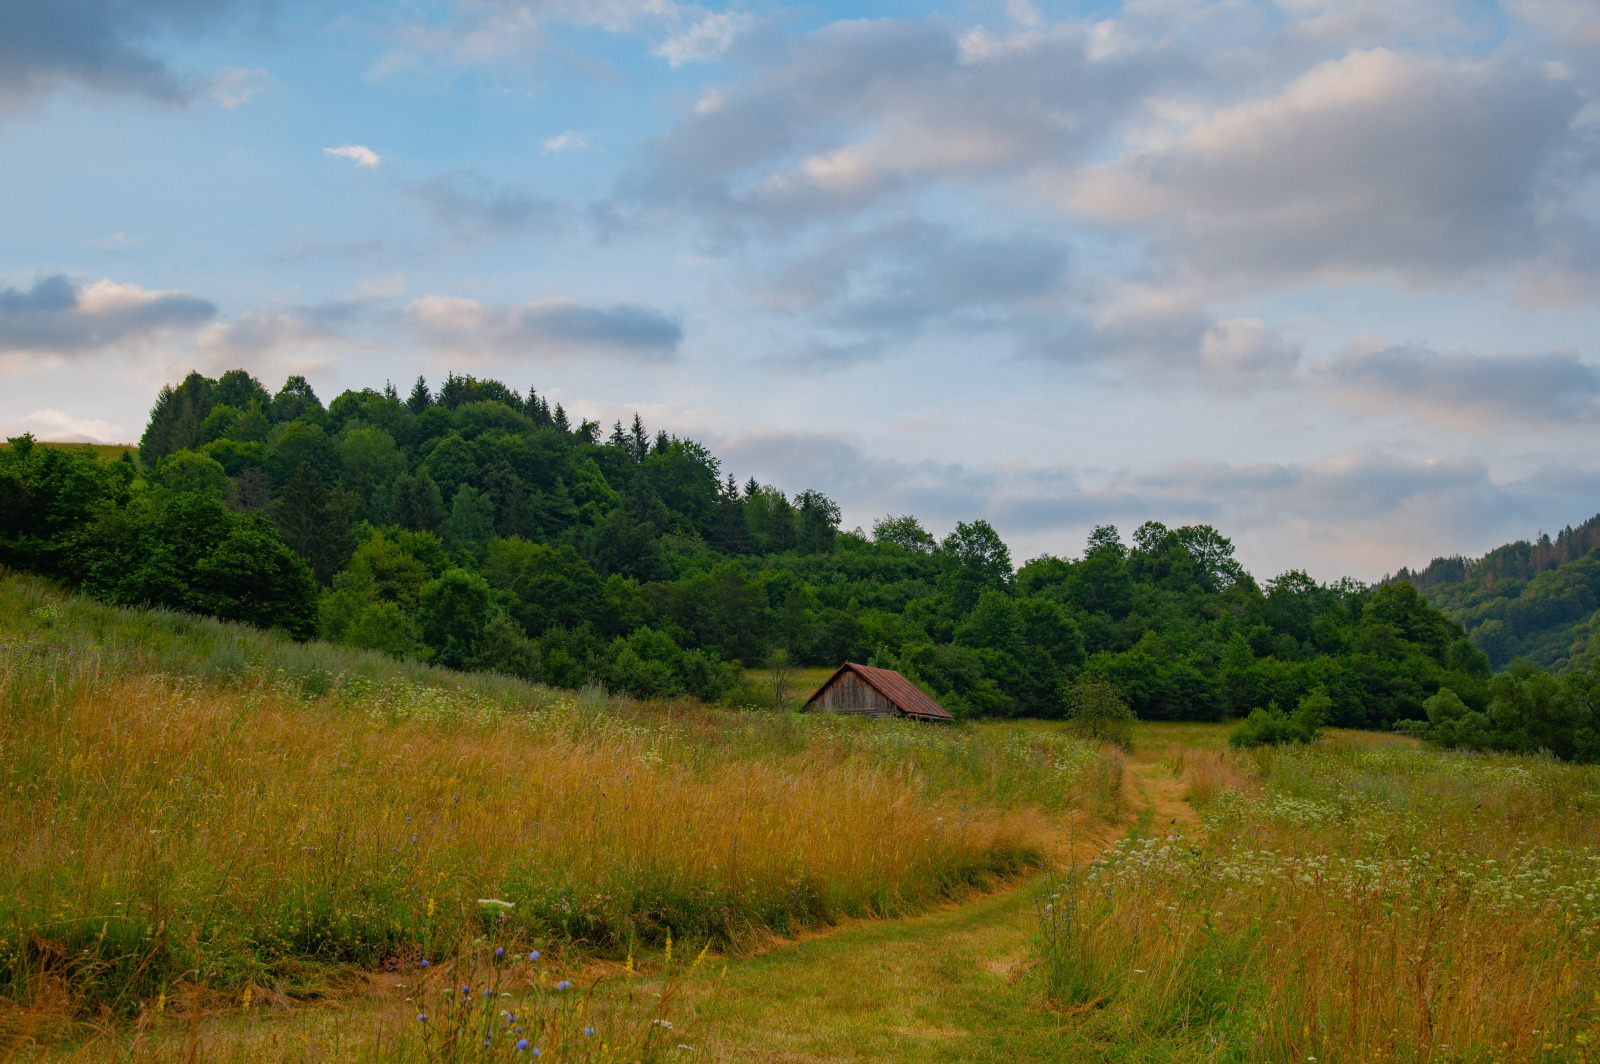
874 692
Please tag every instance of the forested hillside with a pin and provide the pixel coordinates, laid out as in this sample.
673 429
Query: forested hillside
1538 600
480 528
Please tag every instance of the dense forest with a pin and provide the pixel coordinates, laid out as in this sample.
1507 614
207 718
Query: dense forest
479 528
1538 601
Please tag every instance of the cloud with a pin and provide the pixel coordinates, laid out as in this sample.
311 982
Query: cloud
100 45
548 329
858 111
1459 386
237 85
1361 512
51 424
359 154
482 34
705 39
566 142
118 242
475 207
62 317
1415 166
299 331
1244 348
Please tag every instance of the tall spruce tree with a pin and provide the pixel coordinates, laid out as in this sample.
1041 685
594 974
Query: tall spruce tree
420 398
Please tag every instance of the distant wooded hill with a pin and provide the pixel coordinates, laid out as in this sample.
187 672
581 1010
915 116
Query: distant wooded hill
1537 600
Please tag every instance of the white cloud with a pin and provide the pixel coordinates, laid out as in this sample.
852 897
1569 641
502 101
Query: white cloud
56 426
706 39
567 142
359 154
237 85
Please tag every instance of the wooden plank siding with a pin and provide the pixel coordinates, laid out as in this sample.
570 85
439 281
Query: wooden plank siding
849 693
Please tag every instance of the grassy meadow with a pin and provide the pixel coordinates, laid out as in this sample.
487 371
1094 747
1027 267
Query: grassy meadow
200 813
1362 900
221 845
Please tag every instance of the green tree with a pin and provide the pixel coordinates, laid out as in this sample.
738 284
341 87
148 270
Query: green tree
1097 711
453 611
315 523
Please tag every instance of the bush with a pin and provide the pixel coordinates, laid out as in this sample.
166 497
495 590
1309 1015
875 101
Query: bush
1273 727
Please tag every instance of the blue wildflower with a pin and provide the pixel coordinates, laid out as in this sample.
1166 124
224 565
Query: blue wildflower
563 985
498 950
424 964
522 1043
422 1017
587 1031
534 955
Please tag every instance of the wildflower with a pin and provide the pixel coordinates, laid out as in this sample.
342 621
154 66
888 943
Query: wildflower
563 985
587 1031
422 1017
498 950
522 1043
424 964
534 955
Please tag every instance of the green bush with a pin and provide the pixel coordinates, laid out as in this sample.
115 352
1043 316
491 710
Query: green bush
1273 727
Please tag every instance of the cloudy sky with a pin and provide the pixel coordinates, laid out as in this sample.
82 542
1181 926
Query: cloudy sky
1323 273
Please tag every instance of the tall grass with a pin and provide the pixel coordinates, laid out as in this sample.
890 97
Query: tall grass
1348 904
189 804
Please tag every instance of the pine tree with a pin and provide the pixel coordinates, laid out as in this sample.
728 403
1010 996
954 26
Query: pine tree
420 398
314 522
561 419
640 442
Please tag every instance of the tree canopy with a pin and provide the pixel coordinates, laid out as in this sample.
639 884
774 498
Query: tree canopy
476 527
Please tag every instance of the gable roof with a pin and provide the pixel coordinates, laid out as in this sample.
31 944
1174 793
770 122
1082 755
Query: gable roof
910 699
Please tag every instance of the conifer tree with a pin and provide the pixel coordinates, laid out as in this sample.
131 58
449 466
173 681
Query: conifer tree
420 398
314 522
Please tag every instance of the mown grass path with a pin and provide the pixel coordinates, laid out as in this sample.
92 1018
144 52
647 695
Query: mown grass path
950 985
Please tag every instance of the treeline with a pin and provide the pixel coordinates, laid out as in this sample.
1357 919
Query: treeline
1528 711
1536 601
478 528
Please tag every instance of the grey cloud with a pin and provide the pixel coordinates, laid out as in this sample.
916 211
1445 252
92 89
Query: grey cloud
295 328
1364 512
859 109
474 207
61 316
554 328
102 45
1552 386
877 289
1422 167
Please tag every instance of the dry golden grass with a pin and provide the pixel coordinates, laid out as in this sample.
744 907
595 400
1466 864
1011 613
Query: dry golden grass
186 830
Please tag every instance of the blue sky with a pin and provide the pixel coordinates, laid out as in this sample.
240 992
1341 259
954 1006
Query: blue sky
1323 273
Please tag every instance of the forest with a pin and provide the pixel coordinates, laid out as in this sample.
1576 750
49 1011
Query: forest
474 527
1532 600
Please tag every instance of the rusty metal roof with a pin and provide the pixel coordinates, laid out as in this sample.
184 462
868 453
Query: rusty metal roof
910 699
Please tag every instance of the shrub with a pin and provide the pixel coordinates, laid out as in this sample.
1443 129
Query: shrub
1273 727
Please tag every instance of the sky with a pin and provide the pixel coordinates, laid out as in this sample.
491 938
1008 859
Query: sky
1322 273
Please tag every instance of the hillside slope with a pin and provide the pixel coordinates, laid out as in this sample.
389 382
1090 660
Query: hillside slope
1537 600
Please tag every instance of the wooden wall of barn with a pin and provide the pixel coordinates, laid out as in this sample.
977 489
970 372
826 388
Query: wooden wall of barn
849 693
